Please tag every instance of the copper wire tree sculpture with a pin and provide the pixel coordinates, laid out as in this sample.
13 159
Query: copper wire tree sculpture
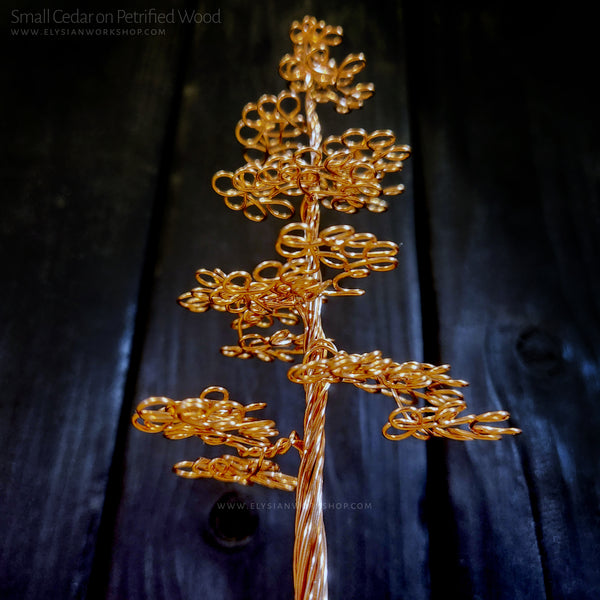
289 164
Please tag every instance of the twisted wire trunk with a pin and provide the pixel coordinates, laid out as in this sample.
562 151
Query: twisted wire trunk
310 548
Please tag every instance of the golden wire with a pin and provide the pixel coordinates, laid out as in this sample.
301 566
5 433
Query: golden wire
220 421
289 162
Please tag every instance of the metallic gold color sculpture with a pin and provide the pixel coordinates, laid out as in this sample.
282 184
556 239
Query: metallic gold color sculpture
291 168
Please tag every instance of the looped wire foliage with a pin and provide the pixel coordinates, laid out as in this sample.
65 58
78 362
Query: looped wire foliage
234 469
217 419
311 69
346 175
339 247
407 383
213 416
282 345
444 421
278 291
274 292
272 125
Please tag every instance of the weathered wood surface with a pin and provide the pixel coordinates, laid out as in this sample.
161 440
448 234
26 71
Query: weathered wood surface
84 120
508 153
107 212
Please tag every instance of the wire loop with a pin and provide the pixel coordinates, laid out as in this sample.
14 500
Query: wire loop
217 419
407 383
312 63
345 175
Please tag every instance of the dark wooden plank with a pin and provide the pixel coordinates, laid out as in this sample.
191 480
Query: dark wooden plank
163 543
508 140
83 122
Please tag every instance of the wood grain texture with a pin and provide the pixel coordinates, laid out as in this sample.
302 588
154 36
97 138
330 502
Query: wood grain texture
508 146
377 542
108 148
79 173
